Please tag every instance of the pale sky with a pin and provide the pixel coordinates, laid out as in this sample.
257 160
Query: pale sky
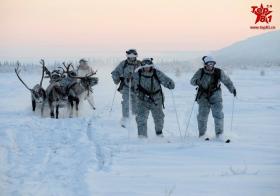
68 26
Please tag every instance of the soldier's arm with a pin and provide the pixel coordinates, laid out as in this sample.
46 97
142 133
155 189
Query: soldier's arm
195 81
117 73
227 81
165 80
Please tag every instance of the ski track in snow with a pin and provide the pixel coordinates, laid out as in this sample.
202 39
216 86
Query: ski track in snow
46 156
103 154
92 155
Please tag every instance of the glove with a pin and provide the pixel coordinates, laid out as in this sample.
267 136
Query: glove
170 85
197 82
234 92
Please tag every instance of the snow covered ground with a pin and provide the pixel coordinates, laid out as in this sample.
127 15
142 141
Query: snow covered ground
93 155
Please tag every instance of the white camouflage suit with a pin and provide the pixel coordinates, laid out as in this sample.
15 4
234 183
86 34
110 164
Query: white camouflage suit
154 102
125 71
83 70
211 101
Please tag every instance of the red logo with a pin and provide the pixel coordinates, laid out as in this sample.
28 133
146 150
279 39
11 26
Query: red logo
263 14
263 17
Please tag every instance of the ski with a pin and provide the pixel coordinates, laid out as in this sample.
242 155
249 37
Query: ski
225 141
228 141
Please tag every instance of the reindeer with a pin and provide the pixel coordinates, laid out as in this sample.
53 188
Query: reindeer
38 94
82 85
56 93
67 87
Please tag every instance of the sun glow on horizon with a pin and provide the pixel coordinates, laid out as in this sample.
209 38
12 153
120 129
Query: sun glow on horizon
52 26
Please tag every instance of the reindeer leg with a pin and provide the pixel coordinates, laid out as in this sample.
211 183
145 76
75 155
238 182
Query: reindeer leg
77 105
70 98
51 109
56 111
91 101
42 109
33 104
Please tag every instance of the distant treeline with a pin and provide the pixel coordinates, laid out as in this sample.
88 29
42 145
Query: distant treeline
165 65
173 65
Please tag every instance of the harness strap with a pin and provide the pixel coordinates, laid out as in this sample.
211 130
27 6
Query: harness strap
156 77
214 86
149 93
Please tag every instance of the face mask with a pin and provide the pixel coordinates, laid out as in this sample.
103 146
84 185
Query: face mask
133 59
209 66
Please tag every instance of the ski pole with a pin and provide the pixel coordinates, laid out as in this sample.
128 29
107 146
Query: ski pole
113 100
129 107
188 122
232 112
129 98
178 123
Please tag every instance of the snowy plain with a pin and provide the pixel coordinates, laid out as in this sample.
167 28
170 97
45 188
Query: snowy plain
92 155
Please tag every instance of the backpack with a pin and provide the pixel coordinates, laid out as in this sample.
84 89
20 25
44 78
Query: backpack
147 93
214 86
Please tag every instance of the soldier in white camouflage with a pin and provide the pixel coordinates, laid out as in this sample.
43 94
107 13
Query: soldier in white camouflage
209 96
147 82
83 70
122 75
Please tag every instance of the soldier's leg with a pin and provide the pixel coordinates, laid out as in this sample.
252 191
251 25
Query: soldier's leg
202 117
90 100
142 118
158 117
218 115
133 103
125 102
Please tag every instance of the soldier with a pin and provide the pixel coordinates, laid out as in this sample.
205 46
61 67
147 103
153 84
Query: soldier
122 75
209 96
83 70
147 84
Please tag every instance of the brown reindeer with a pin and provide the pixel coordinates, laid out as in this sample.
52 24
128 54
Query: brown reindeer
56 91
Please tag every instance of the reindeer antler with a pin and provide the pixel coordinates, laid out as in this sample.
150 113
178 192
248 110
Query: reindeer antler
42 62
86 76
43 71
70 64
63 71
91 73
17 71
67 67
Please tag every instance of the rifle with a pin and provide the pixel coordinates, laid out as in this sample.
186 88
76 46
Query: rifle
121 84
198 93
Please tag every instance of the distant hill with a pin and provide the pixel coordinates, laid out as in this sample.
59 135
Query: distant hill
259 50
